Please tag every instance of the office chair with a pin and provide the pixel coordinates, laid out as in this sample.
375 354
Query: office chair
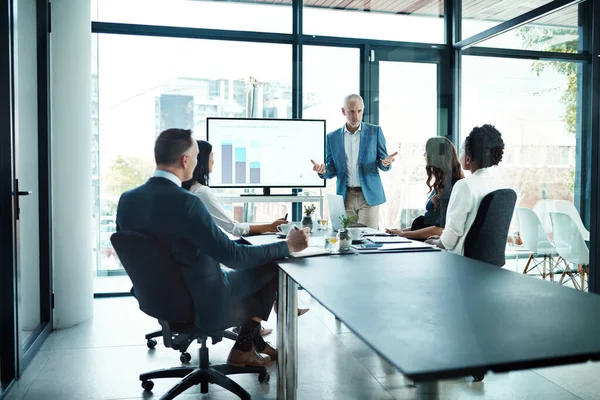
486 239
162 293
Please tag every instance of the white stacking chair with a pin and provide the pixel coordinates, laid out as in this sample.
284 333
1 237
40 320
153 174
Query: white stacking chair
535 239
542 209
571 247
566 207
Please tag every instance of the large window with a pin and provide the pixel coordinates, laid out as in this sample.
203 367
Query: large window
169 83
145 84
408 21
408 116
325 89
557 32
534 105
479 15
249 15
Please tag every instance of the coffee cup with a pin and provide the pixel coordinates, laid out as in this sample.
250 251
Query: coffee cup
285 228
355 232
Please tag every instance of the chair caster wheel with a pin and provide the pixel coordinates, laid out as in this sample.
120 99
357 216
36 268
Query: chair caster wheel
147 385
264 377
477 378
151 343
185 358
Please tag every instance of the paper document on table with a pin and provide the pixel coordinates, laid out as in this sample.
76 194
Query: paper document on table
388 239
310 251
405 246
371 231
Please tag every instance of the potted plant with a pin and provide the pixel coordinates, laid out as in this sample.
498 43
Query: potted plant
308 214
344 235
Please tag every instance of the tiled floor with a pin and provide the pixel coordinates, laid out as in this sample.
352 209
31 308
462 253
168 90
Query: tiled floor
101 359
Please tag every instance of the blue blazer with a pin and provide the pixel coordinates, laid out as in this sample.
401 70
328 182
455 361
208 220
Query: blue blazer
179 219
372 151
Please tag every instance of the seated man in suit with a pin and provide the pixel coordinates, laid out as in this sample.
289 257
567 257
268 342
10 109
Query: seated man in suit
242 295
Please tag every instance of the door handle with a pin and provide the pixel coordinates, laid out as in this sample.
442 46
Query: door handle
19 193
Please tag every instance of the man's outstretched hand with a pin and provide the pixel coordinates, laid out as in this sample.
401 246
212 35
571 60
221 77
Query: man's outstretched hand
389 159
319 168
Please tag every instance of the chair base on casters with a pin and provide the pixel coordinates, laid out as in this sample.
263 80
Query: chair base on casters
150 341
203 375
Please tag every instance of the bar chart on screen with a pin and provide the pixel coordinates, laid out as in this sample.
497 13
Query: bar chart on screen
266 153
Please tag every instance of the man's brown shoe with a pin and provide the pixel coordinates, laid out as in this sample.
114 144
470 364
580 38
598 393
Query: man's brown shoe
270 351
239 358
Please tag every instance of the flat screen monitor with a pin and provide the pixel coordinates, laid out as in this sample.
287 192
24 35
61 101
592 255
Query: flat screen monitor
251 152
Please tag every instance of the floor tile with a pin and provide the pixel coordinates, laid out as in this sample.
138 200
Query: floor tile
583 380
102 360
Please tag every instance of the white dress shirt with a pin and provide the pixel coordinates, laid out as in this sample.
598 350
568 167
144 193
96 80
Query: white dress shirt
159 173
352 147
219 215
464 203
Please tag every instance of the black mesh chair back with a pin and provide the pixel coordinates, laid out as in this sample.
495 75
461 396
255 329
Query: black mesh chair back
158 283
486 240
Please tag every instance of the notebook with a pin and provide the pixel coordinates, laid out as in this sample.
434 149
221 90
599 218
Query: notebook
394 247
310 252
388 239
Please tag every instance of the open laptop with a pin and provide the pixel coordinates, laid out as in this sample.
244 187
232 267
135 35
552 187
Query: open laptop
336 210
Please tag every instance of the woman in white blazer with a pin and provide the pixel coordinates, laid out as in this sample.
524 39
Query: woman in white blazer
484 149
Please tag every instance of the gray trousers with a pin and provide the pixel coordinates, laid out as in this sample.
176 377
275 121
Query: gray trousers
356 204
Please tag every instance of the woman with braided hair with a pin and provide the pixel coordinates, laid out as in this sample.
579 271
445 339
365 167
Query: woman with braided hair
484 149
443 171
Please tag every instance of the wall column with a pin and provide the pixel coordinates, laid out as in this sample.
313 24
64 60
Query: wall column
70 49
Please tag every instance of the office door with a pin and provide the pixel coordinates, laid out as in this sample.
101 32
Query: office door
404 100
31 177
8 352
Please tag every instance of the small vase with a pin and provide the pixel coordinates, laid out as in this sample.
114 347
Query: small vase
307 222
345 239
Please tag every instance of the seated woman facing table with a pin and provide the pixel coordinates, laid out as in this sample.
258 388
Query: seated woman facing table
443 171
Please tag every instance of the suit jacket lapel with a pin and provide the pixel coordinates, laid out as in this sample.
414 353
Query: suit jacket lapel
365 136
340 142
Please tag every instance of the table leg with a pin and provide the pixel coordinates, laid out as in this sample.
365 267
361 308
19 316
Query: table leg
282 318
427 390
291 343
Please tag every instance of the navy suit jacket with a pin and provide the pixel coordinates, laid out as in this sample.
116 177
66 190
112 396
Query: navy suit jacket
178 219
371 152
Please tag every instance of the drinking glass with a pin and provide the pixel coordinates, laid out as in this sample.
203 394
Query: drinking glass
333 242
322 224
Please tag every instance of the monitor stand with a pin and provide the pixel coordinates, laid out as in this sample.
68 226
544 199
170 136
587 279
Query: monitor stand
267 192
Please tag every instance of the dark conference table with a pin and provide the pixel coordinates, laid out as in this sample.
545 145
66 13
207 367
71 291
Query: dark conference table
436 315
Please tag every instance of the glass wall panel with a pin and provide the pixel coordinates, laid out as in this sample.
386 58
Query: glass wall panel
173 83
245 15
557 32
534 104
479 15
326 87
402 20
408 98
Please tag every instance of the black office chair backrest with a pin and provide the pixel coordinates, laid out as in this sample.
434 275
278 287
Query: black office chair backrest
486 240
157 281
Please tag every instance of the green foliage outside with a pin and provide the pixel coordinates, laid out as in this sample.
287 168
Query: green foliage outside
563 40
126 173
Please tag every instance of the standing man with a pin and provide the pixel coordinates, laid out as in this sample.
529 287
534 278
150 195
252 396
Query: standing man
354 152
